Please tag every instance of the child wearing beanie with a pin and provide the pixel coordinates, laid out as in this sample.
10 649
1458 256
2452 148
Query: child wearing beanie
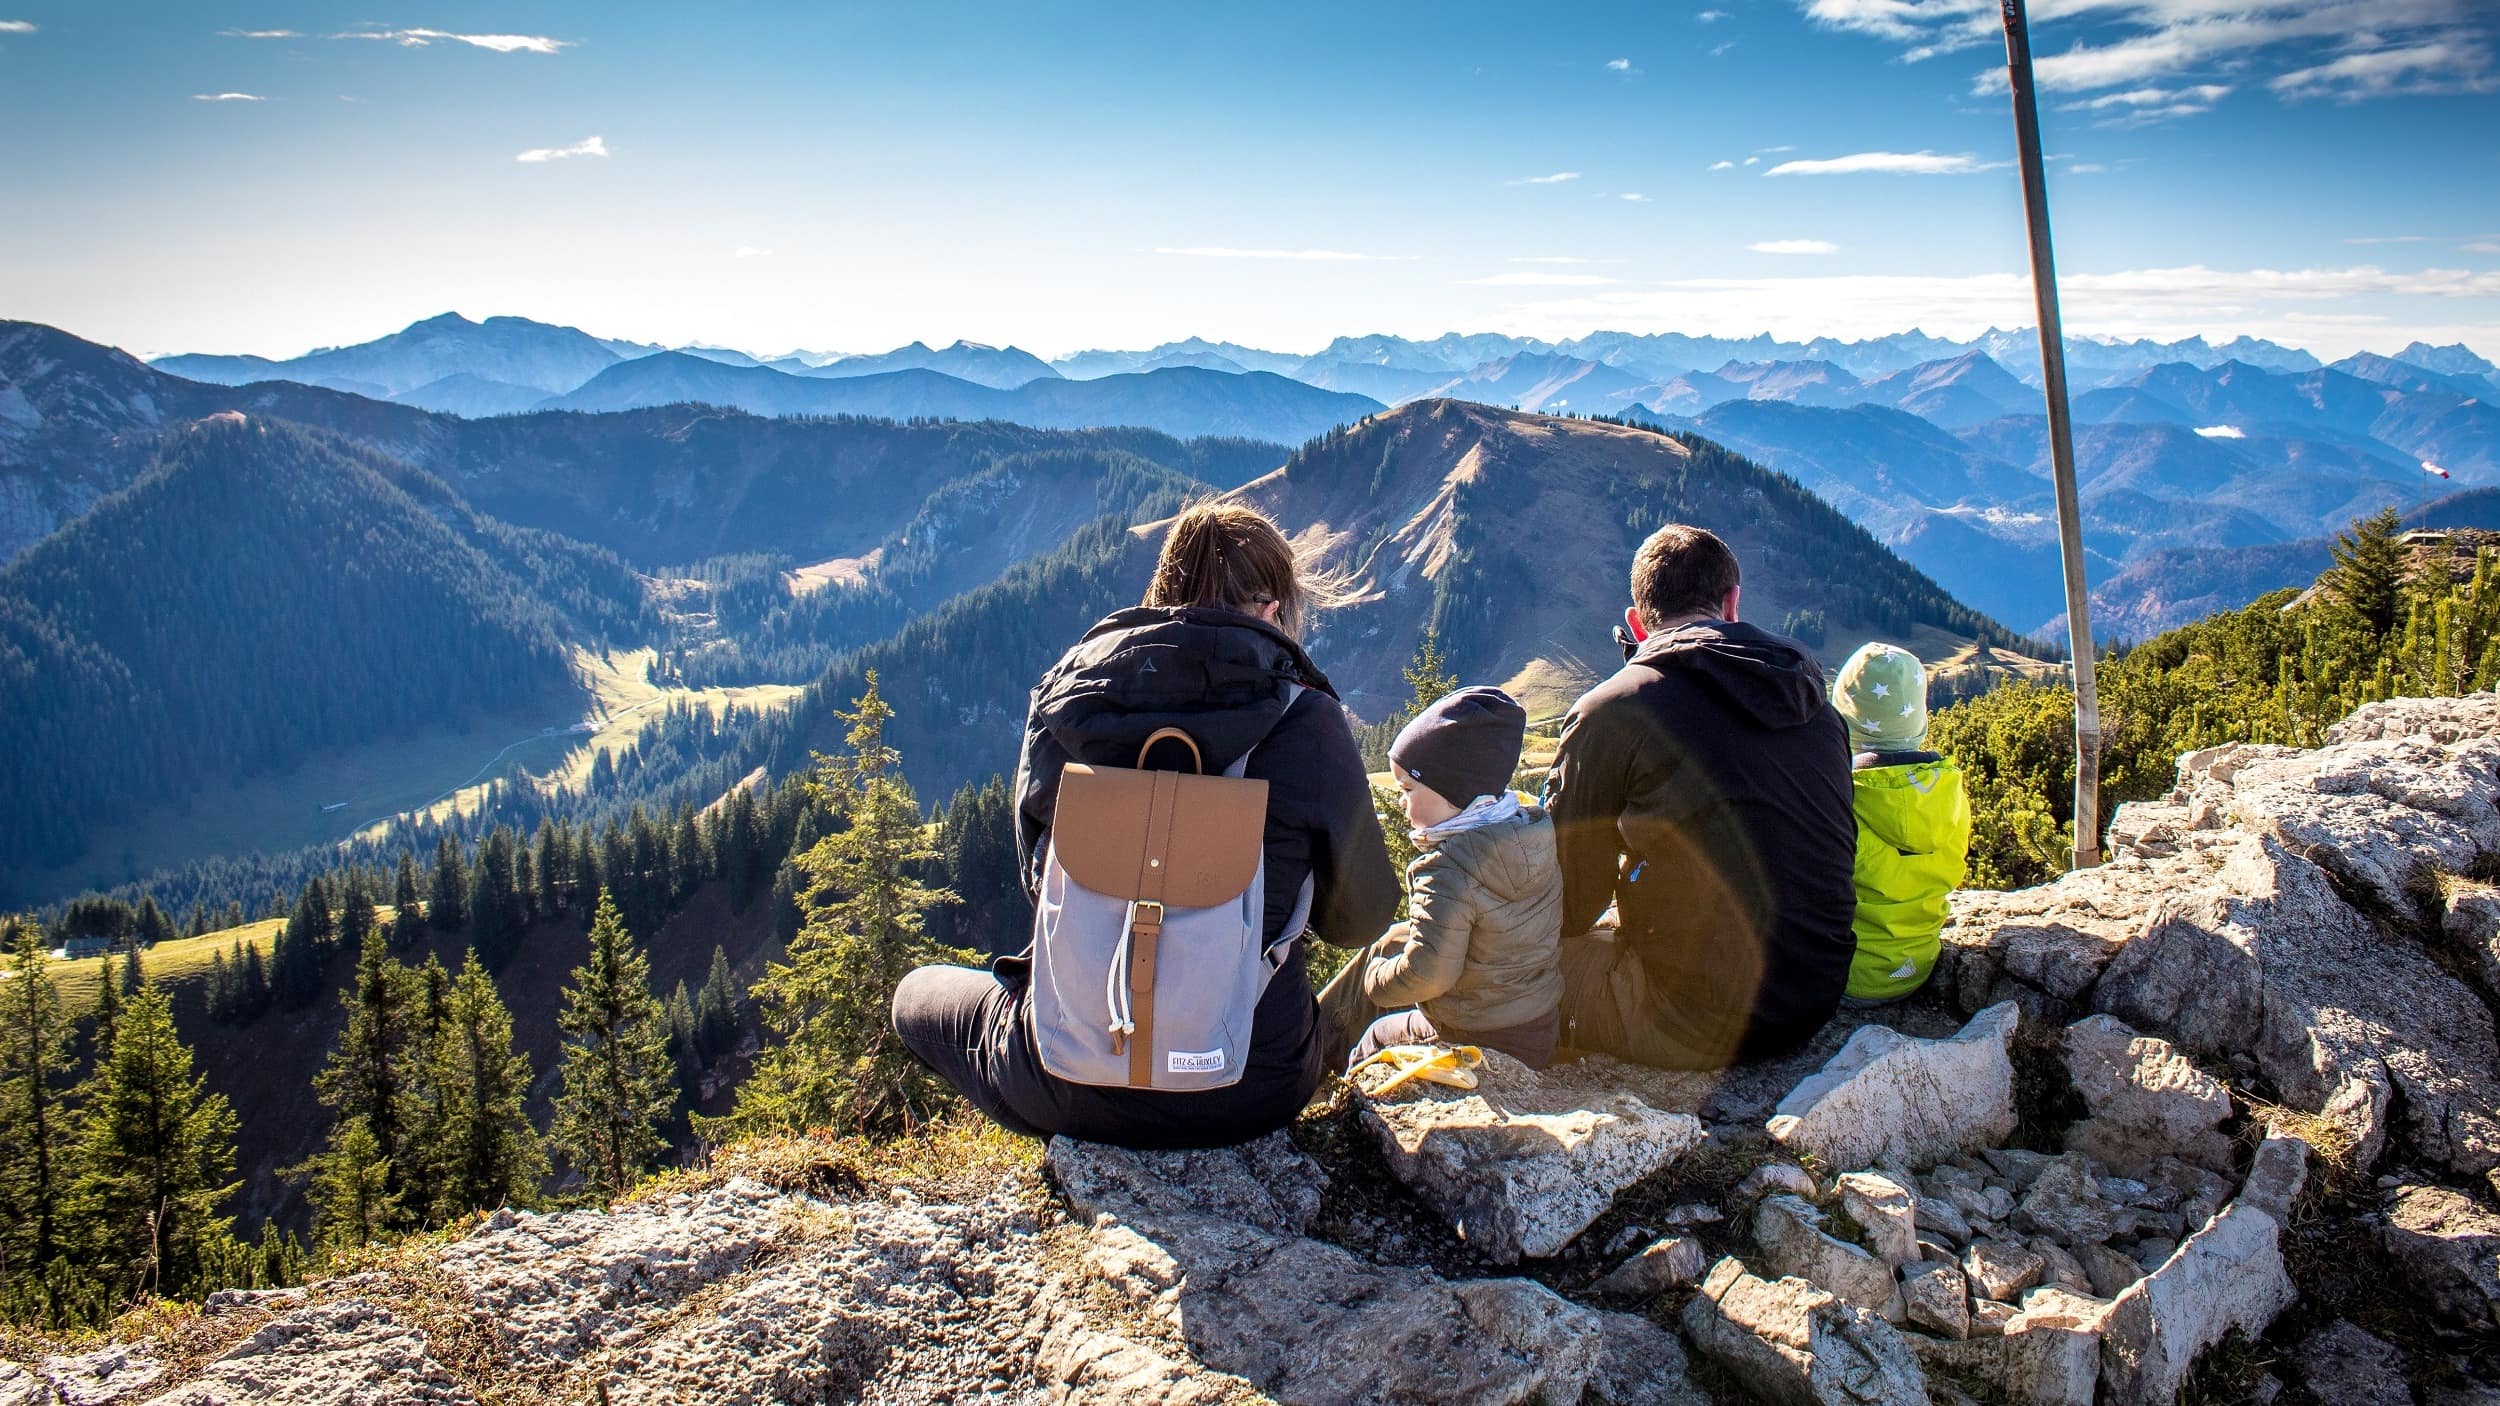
1913 822
1477 962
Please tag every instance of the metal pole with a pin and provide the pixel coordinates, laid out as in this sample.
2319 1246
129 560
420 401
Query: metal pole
2061 438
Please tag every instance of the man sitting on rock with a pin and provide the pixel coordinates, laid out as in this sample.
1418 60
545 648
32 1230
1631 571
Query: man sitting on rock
1704 792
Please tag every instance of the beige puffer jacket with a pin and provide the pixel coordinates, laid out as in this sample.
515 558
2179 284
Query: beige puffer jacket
1481 950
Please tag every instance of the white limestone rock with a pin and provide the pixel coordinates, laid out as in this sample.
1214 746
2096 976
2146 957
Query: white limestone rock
2146 1100
1936 1297
1888 1212
1793 1241
1888 1097
347 1353
1517 1170
2449 1250
1792 1343
2271 961
2000 1270
1639 1364
2228 1275
1666 1264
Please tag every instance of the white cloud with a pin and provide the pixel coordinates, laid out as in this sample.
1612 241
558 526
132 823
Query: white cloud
2222 432
17 26
1635 196
1720 50
1317 256
228 98
2481 246
1711 16
1530 278
1774 150
1553 180
2441 66
2389 239
1620 66
1753 160
500 43
749 251
2086 168
1722 165
587 146
1899 163
2387 46
1547 259
261 33
2142 107
1794 246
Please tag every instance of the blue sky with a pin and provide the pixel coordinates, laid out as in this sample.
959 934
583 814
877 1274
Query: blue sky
212 176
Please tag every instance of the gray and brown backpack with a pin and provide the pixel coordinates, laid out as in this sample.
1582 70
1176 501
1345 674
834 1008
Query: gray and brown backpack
1149 951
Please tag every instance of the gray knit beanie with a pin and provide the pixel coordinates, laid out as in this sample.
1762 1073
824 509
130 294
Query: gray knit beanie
1464 745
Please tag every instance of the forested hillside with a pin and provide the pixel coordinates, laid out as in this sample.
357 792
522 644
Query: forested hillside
259 593
1509 535
2391 616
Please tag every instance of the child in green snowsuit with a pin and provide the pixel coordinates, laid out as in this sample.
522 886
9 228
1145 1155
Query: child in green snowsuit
1913 822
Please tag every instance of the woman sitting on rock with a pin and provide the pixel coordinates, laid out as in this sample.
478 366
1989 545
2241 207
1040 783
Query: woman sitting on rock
1213 652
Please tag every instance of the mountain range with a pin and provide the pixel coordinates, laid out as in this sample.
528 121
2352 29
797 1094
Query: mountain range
743 550
2186 444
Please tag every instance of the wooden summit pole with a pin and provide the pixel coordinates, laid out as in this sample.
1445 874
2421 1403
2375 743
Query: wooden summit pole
2061 438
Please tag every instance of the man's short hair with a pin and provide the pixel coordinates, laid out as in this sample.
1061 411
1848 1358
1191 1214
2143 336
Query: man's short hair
1681 570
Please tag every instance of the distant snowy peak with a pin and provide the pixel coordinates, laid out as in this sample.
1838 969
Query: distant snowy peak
1002 368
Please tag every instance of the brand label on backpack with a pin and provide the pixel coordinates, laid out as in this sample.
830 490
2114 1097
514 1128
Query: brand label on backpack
1185 1062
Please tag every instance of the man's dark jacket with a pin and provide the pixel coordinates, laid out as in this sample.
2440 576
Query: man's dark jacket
1706 786
1220 676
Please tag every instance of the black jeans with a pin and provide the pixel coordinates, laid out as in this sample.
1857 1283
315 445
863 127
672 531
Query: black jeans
969 1026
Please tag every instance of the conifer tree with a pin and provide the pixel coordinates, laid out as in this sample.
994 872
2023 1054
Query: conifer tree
447 906
357 914
682 1045
496 918
353 1197
618 1087
407 904
134 976
2369 570
369 1083
108 1012
155 1156
35 1166
716 1008
836 1062
484 1153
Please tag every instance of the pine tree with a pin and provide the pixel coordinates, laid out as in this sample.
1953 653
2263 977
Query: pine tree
683 1047
484 1153
618 1084
447 906
2369 571
496 914
154 925
35 1166
133 975
407 905
716 1009
357 914
155 1156
108 1013
836 1062
353 1197
369 1083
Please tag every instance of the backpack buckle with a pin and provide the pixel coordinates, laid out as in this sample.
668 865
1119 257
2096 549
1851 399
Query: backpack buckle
1139 920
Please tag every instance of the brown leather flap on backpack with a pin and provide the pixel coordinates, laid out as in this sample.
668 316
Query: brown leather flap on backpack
1189 841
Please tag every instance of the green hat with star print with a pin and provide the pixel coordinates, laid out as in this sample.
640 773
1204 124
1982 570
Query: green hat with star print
1882 694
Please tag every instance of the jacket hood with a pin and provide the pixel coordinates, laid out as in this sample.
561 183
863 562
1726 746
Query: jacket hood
1769 677
1513 860
1218 675
1916 808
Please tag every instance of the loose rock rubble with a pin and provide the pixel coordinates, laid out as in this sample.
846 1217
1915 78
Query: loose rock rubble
2065 1174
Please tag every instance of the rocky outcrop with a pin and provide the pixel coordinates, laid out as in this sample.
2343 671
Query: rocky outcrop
2313 927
